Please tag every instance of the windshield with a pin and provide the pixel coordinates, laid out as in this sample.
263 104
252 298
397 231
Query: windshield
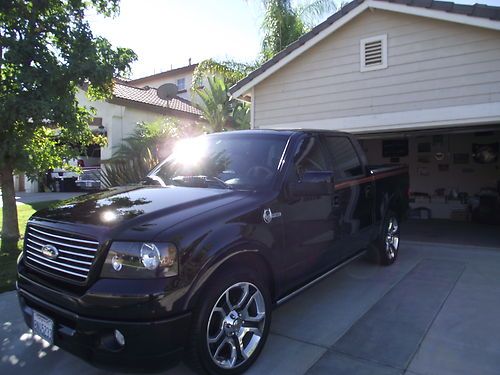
222 161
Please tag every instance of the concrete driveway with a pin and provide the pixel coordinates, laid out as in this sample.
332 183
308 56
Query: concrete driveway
436 311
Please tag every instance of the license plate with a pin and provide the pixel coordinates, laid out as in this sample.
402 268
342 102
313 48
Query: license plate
43 326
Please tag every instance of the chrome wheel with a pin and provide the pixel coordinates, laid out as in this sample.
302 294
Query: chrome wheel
236 325
392 238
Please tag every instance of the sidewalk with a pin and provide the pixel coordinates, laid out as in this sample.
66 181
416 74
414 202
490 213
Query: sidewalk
42 197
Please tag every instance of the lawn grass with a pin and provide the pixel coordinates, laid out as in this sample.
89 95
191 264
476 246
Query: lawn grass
8 259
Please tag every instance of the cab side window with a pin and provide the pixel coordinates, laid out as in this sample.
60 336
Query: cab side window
310 157
345 158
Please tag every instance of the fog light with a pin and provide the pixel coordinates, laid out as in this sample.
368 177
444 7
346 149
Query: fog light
120 339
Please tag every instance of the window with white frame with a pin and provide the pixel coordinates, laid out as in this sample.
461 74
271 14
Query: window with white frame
373 53
181 84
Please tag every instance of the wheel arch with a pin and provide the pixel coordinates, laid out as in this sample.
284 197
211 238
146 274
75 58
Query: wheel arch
243 255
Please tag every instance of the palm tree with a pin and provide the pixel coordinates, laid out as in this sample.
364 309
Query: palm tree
282 24
232 71
143 149
214 103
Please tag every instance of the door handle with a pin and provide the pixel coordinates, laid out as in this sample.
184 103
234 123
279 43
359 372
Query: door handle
336 201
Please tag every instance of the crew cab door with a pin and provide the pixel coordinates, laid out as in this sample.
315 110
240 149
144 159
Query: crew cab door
310 226
353 197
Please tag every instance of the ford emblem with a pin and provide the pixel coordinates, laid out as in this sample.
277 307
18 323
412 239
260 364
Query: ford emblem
50 251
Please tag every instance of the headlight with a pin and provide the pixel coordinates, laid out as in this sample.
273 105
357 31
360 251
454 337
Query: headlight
136 260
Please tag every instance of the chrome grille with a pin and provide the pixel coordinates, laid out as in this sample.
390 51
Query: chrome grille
76 253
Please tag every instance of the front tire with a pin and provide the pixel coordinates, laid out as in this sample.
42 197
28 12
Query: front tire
231 324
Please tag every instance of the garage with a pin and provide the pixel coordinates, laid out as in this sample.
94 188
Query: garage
418 82
454 174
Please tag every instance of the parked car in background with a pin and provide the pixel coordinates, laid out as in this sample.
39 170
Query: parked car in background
195 258
60 179
89 179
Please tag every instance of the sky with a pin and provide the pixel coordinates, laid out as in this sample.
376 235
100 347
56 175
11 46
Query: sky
166 33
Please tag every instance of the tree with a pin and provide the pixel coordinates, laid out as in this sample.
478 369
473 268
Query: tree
231 71
220 111
282 24
214 103
148 144
241 115
47 51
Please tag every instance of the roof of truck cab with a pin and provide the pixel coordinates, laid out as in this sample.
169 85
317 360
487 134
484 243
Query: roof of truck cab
282 132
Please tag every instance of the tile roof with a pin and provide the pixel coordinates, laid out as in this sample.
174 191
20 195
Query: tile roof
476 10
149 96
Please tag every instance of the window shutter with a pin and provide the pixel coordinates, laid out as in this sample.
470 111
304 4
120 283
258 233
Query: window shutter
373 53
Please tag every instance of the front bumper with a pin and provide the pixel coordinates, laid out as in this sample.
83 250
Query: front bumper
149 345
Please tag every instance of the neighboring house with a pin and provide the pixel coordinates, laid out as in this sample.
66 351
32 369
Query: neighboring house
182 77
118 117
417 80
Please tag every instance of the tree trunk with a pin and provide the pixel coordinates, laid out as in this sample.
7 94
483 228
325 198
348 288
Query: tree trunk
10 226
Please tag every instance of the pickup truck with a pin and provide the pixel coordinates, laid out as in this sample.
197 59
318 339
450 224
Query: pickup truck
191 261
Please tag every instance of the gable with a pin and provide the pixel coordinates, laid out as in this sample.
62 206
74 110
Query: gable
478 15
431 64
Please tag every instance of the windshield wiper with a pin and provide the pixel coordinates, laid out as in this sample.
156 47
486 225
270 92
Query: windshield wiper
199 180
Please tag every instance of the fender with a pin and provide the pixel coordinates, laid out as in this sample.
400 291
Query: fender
231 253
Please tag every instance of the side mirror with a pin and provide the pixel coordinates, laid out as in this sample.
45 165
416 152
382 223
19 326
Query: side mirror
312 184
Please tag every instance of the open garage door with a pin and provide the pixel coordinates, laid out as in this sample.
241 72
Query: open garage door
454 176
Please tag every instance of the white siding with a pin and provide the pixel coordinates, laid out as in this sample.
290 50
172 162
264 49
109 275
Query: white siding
118 120
431 64
157 82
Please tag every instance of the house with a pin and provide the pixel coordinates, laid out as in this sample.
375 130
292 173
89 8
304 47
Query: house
118 116
130 105
418 81
182 77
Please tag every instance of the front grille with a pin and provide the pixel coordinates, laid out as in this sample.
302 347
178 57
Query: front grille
76 253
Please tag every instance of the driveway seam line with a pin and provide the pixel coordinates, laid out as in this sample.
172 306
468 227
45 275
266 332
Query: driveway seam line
366 360
410 360
299 340
382 296
331 349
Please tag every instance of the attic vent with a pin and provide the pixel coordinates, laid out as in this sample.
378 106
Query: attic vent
373 53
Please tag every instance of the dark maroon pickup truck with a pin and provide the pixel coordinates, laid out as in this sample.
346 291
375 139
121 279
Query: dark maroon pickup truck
193 259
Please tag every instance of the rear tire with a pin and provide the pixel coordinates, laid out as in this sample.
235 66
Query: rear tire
387 245
231 323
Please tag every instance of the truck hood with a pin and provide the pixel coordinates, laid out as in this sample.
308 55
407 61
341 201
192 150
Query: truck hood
139 208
